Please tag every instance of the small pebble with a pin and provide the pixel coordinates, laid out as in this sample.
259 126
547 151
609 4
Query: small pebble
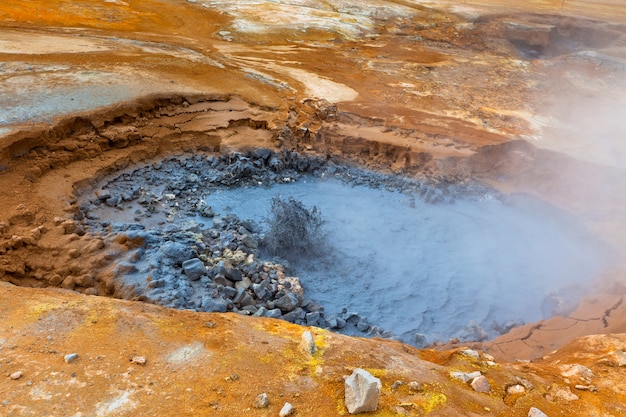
70 357
287 410
535 412
261 401
138 360
516 389
415 386
16 375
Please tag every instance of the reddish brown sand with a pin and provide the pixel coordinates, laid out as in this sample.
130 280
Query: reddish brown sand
440 93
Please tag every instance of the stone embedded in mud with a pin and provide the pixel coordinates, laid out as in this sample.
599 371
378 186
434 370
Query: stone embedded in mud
194 268
362 392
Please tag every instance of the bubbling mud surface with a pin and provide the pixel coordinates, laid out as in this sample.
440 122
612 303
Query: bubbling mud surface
403 258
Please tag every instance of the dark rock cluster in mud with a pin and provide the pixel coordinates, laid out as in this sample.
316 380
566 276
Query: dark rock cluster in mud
178 252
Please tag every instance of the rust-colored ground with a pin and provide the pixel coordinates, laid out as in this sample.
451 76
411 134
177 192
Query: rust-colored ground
523 96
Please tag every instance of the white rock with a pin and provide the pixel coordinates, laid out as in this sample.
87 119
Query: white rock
535 412
462 376
287 410
362 392
415 386
515 389
70 357
138 360
621 358
470 353
576 370
308 342
16 375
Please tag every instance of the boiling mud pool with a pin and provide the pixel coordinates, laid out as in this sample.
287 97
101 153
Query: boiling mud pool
429 272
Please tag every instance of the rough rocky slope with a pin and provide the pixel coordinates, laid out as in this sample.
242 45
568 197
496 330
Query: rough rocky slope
217 364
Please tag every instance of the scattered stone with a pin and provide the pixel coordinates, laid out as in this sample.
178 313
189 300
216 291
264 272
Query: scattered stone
415 386
287 410
274 313
480 384
470 353
525 383
261 401
70 357
464 377
535 412
590 388
621 358
576 370
16 375
308 342
564 394
287 302
516 389
362 392
138 360
214 304
194 268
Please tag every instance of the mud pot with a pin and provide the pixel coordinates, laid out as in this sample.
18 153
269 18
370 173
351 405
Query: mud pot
174 208
400 258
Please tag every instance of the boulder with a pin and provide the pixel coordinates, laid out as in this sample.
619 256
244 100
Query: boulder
362 392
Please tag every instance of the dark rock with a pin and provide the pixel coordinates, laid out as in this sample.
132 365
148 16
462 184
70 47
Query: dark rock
173 253
228 292
194 268
363 325
229 271
295 316
214 304
274 313
288 302
220 279
312 319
